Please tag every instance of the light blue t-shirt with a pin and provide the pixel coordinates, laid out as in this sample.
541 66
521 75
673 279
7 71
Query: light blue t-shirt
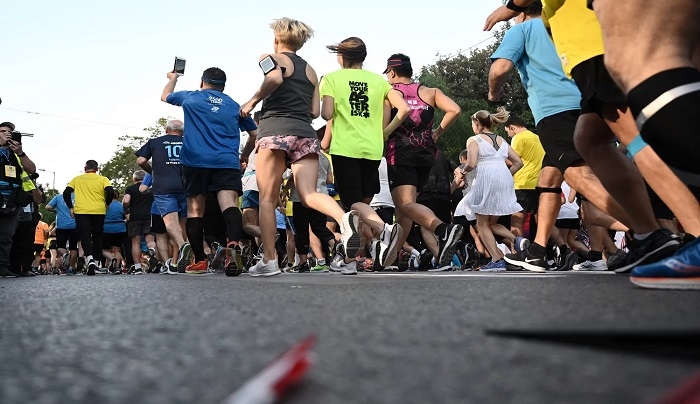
532 52
148 181
63 219
114 219
281 224
212 128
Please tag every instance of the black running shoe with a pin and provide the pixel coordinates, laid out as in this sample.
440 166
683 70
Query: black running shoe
448 242
527 261
185 256
660 244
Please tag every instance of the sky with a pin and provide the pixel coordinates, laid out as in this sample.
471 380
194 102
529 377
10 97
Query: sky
79 74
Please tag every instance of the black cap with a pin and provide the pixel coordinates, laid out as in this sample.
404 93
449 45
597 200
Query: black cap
396 63
8 125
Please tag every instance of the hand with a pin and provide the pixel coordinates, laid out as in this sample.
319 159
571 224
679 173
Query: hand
246 109
436 134
172 76
495 96
16 147
71 213
499 15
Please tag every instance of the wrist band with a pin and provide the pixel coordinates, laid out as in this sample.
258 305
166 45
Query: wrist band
512 6
635 146
22 154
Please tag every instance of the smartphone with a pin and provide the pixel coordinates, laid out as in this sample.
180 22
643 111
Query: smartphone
179 66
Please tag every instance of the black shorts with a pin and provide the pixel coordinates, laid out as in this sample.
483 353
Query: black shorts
556 134
440 207
110 240
355 179
157 224
68 237
138 227
38 248
407 175
596 86
529 199
200 181
573 224
52 244
386 213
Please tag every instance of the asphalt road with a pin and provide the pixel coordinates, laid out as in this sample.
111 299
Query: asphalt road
382 338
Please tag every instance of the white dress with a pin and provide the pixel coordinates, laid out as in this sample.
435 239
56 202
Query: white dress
493 192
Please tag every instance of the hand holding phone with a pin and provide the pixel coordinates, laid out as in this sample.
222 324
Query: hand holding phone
179 66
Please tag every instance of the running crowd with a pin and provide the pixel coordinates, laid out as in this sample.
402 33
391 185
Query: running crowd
607 183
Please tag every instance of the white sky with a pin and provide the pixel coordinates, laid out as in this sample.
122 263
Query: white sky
105 61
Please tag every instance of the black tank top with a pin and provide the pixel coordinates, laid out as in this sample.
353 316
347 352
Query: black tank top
287 111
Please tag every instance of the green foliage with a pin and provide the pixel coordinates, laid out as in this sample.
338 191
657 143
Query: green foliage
121 166
47 215
464 78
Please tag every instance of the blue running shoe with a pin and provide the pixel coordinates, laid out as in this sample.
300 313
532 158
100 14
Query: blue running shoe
679 271
494 266
521 244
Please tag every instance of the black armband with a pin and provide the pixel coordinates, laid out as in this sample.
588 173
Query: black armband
542 190
512 6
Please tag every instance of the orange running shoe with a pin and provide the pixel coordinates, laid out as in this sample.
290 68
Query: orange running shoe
197 268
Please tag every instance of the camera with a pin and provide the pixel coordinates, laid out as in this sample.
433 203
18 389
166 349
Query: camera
17 135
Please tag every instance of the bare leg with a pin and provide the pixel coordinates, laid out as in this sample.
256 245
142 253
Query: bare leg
270 165
484 227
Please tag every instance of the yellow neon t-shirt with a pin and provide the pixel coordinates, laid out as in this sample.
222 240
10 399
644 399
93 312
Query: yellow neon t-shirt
358 99
575 31
527 145
90 194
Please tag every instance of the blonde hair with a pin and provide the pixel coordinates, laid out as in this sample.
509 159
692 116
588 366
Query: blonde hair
489 120
292 33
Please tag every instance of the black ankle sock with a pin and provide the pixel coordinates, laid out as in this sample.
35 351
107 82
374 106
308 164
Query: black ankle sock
667 131
440 229
595 255
195 234
234 223
536 249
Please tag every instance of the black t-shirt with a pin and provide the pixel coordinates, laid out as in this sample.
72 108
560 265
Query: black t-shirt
164 152
140 204
438 184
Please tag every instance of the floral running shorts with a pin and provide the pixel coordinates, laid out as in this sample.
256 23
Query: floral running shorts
295 147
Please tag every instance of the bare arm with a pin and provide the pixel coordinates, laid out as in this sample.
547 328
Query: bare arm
513 156
316 98
170 86
143 163
502 13
270 83
452 112
126 202
472 156
327 136
397 101
249 145
498 75
327 107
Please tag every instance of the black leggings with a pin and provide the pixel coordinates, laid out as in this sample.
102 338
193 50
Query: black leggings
90 229
303 217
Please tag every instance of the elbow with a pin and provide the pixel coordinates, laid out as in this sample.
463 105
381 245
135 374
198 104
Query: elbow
327 116
315 113
164 97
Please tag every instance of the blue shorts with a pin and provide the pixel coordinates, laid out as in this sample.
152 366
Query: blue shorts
251 199
168 203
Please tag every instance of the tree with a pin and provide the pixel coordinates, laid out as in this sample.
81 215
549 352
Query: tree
464 78
121 166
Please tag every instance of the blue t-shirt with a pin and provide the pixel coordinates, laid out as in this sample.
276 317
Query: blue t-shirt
281 220
63 219
212 128
164 153
114 220
148 181
529 47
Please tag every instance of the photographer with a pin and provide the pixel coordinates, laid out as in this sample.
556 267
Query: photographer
16 166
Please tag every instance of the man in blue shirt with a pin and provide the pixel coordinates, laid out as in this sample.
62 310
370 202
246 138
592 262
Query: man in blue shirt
66 232
168 190
210 163
555 103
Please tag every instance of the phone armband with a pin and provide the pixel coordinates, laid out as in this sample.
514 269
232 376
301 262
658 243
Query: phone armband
268 64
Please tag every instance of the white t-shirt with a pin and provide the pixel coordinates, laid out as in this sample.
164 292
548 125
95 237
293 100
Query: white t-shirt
250 183
383 198
569 210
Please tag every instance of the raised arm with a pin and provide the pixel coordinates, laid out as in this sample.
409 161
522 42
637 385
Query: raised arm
170 86
272 80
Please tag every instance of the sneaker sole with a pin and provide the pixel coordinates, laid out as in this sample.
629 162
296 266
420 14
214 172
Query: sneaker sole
389 255
90 271
349 273
450 247
233 258
649 257
524 265
666 283
353 242
185 258
266 274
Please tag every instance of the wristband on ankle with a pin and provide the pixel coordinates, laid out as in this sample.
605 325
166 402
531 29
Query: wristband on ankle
635 146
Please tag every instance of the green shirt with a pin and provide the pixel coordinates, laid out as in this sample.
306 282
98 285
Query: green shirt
358 98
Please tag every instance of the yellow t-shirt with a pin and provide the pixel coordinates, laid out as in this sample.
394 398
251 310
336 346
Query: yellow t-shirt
90 194
575 31
527 145
358 99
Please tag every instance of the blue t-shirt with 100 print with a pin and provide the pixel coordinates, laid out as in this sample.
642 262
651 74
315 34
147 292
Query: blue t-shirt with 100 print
212 128
164 153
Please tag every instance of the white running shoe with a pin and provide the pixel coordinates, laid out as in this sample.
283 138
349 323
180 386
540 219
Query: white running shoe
350 235
388 243
271 268
350 269
599 265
